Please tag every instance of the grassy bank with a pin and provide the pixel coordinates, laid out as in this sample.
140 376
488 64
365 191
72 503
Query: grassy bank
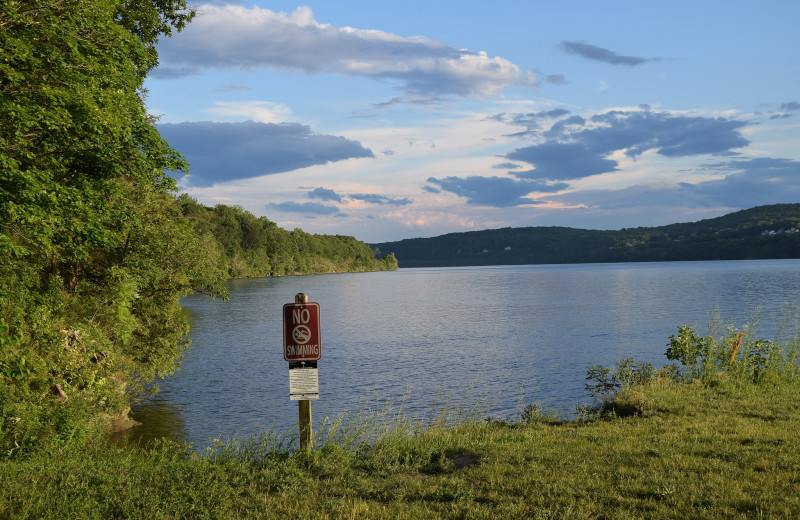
713 437
694 450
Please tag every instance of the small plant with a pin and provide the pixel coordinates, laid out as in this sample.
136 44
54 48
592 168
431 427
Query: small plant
601 383
612 391
630 374
687 347
605 385
533 413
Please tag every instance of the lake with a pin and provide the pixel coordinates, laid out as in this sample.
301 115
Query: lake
421 336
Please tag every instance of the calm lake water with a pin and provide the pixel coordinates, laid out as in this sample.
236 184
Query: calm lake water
421 335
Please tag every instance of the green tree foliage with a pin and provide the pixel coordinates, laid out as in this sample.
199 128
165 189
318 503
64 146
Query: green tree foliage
257 247
95 251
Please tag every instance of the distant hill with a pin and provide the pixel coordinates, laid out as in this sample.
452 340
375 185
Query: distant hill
762 232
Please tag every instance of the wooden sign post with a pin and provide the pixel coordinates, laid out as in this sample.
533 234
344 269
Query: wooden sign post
302 347
306 442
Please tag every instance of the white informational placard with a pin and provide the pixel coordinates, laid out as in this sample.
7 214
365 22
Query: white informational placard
303 383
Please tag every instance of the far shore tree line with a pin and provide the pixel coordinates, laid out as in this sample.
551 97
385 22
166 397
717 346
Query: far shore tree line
257 247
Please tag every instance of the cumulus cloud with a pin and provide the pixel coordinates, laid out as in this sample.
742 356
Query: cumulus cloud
749 182
592 52
261 111
506 166
573 147
370 198
532 121
556 79
307 208
565 161
786 107
780 116
220 152
324 194
231 36
379 199
740 183
499 192
576 147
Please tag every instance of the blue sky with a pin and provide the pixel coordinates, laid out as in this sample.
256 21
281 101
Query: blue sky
414 119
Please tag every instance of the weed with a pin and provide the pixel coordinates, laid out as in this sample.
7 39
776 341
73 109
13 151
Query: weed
533 414
604 384
730 353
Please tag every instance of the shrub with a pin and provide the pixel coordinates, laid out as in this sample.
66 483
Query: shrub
605 385
727 352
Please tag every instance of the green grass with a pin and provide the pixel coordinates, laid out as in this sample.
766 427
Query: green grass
716 437
693 451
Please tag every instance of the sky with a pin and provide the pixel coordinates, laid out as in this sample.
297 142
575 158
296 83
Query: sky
387 121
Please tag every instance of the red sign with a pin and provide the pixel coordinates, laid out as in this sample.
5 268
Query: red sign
301 335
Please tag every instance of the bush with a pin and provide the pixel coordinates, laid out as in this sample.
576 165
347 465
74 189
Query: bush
727 352
605 384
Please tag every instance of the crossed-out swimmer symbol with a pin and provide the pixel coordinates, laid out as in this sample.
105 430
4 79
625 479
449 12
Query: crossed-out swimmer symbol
301 334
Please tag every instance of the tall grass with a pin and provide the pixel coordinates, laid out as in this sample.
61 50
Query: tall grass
371 424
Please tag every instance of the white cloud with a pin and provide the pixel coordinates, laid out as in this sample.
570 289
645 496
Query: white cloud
259 111
230 36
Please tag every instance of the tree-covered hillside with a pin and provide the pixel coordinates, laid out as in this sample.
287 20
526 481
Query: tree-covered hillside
761 232
257 247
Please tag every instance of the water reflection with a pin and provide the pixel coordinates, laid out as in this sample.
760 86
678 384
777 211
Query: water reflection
160 419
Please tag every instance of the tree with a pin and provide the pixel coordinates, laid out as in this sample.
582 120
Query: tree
94 249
